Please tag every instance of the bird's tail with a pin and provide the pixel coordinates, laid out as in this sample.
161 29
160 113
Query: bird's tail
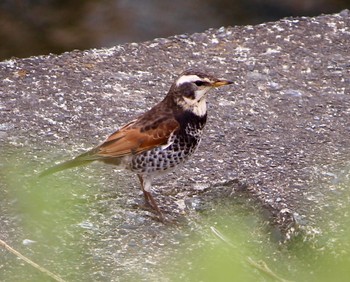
63 166
80 160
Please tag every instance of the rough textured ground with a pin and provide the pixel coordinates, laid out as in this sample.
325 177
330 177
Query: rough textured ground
280 134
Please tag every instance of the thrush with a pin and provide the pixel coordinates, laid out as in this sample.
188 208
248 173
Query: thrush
160 139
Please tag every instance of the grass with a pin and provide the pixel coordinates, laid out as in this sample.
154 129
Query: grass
236 245
228 242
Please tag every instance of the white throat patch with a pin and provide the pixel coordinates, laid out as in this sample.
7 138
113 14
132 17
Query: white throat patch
199 108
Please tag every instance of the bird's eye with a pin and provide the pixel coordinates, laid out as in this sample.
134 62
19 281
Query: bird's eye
199 82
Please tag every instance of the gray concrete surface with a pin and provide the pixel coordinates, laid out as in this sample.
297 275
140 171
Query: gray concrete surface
280 135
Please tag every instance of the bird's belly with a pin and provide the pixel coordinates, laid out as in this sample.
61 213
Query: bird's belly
162 159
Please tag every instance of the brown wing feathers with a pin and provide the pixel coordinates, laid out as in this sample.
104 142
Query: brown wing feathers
133 139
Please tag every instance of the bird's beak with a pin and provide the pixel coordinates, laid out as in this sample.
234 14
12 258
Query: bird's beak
221 82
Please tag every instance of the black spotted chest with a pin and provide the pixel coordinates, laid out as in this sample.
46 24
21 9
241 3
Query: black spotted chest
179 148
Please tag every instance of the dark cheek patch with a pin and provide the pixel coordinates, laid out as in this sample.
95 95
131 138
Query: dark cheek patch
188 91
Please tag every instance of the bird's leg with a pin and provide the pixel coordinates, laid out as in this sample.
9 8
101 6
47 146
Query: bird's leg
146 189
143 190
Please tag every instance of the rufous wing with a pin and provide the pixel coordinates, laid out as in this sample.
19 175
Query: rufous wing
134 139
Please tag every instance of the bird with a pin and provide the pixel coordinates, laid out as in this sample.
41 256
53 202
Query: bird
162 138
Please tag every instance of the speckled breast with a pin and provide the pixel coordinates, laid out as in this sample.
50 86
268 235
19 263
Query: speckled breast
163 158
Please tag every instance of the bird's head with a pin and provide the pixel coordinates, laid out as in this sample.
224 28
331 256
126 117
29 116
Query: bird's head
190 88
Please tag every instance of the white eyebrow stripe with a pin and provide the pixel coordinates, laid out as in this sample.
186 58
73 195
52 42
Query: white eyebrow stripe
187 78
